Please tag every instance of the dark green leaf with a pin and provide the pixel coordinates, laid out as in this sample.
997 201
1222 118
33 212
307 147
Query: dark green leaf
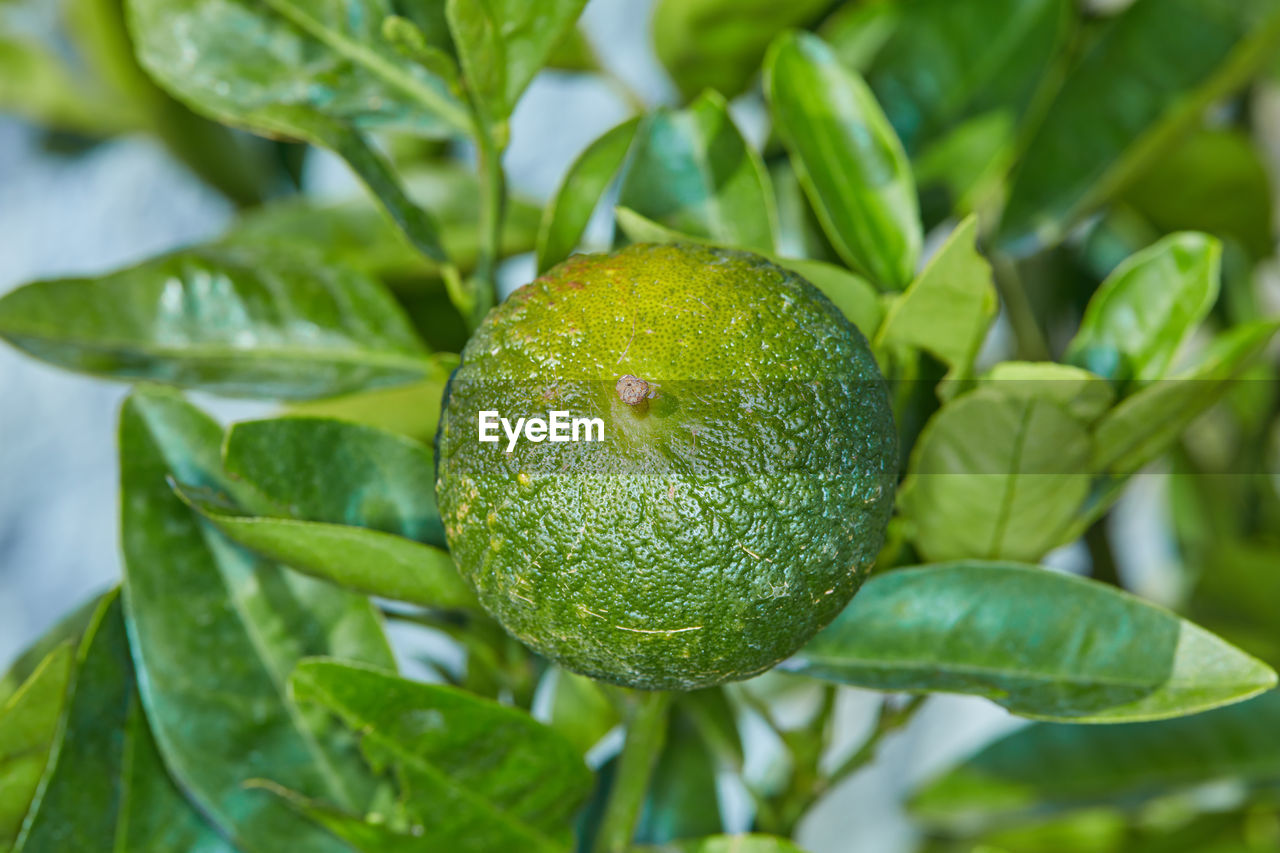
1144 82
503 43
567 214
1046 766
1185 189
475 775
995 477
691 171
319 72
215 634
683 801
1147 308
1040 643
718 44
103 781
28 724
947 62
847 158
713 716
948 309
1144 425
239 322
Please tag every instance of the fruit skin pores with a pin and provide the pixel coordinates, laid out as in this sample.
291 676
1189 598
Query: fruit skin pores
741 489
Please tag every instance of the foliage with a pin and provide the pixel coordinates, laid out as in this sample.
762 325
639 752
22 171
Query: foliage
1048 223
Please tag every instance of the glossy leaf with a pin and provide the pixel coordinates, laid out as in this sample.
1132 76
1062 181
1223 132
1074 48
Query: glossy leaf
238 322
1083 395
691 171
847 157
412 410
208 620
1145 424
1052 767
948 309
1040 643
995 477
28 725
319 72
502 44
475 775
1142 84
1185 190
1142 314
566 216
718 44
103 781
946 62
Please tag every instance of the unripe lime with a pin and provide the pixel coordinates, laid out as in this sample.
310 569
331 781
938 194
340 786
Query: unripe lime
740 492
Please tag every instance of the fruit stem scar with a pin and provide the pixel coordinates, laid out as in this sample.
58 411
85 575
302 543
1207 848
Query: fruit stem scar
632 390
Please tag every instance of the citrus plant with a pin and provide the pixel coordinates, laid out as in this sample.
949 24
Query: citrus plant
902 299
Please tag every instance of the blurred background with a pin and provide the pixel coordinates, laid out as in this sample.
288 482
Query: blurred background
99 169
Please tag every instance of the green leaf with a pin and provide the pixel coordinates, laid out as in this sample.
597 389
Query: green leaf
1050 767
412 410
1039 643
239 322
1144 312
947 62
1147 423
101 783
566 216
857 32
502 44
1083 395
36 84
70 628
475 775
1144 82
995 477
28 725
579 709
691 171
847 157
718 44
948 309
1184 190
215 634
683 801
319 72
713 716
728 844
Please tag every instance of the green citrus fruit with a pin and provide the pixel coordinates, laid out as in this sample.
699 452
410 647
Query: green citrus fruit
739 494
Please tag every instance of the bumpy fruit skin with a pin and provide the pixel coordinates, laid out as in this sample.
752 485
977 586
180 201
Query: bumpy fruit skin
724 520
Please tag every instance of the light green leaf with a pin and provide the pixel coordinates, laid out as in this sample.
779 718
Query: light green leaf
208 620
36 85
948 309
857 32
995 477
566 216
1146 80
28 725
502 44
1142 314
1039 643
1048 767
1145 424
475 775
718 44
239 322
947 62
1184 190
68 629
847 158
691 171
412 410
319 72
1083 395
